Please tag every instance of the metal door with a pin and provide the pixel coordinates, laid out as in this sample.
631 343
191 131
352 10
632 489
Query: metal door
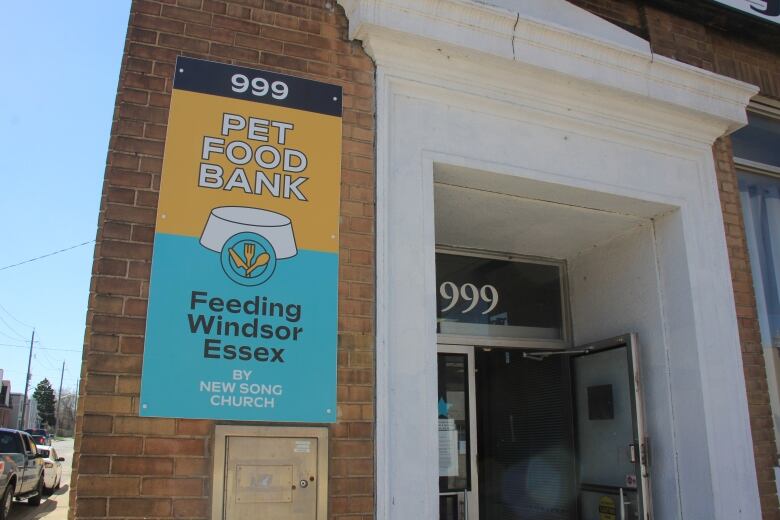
273 472
612 450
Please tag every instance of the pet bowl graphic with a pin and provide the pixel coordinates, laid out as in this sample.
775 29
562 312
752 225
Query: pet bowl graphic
250 241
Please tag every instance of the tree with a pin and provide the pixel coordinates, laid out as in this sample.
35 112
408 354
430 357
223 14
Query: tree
44 395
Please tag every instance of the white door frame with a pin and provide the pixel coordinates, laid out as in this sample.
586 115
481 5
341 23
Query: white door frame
472 497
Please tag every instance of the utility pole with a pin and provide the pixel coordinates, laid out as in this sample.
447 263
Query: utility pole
26 384
59 398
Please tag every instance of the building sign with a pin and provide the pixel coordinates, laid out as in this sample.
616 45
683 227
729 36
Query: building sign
243 295
480 296
766 9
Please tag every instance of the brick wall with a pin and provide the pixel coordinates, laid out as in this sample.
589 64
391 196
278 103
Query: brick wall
692 42
750 335
128 466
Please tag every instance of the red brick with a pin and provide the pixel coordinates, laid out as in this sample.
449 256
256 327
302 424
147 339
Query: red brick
135 307
193 467
144 81
157 23
118 325
227 51
110 267
178 446
118 230
259 43
128 385
97 423
283 62
184 43
113 363
136 34
141 466
119 177
191 508
125 250
111 445
187 15
90 507
236 24
144 425
120 286
145 6
106 304
172 487
128 144
193 427
100 383
94 465
130 345
143 234
139 270
139 507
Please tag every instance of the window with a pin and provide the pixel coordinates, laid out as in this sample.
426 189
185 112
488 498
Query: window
9 442
30 445
757 155
491 297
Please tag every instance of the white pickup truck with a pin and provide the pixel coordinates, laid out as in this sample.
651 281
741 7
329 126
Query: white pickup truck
21 470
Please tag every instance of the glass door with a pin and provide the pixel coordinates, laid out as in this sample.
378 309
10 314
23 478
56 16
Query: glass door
560 433
457 434
612 465
526 447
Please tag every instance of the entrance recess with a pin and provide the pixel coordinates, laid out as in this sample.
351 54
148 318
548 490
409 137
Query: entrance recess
542 434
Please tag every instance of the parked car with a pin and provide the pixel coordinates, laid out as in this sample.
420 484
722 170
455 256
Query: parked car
21 470
52 468
40 437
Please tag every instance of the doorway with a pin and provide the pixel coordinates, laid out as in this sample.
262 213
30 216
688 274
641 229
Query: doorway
543 435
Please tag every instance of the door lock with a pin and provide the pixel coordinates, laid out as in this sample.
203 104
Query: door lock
303 483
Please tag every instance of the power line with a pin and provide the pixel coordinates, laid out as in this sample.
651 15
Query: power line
64 349
8 336
44 361
15 318
45 354
47 255
20 337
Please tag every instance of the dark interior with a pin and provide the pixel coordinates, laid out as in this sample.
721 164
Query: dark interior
525 432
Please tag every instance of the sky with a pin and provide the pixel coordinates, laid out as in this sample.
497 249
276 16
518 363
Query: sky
58 79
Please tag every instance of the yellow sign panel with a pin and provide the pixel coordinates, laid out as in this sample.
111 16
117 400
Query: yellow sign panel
607 509
228 164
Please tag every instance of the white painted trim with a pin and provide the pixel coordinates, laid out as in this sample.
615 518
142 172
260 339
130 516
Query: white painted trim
382 449
494 38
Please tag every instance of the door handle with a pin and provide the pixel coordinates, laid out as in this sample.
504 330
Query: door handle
632 453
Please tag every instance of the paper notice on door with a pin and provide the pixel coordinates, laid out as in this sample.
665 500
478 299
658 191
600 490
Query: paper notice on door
448 448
